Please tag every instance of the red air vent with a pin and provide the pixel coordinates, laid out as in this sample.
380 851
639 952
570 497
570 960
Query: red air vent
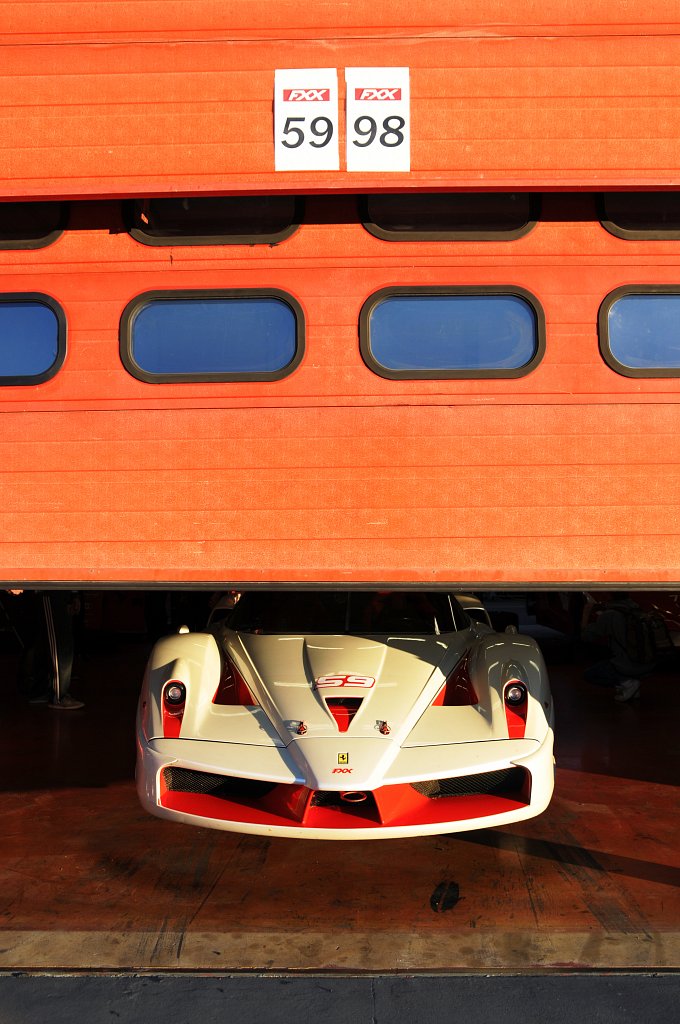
233 688
457 691
343 710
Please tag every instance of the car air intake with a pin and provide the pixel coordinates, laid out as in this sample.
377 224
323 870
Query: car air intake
223 798
501 783
185 780
343 710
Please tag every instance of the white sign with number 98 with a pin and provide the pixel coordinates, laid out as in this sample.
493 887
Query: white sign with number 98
306 119
378 119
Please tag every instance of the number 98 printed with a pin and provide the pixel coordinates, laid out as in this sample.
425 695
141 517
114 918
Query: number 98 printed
389 134
378 119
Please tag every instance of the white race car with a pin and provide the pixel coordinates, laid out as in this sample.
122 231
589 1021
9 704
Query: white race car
346 715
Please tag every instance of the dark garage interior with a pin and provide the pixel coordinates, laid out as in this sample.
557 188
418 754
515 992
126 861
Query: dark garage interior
91 882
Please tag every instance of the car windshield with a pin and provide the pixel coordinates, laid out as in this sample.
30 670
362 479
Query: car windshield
410 612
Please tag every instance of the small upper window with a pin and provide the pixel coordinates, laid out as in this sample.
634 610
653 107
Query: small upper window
640 331
248 334
450 216
631 215
213 220
437 333
32 338
31 225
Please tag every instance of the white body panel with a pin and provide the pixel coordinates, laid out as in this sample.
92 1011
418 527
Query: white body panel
396 737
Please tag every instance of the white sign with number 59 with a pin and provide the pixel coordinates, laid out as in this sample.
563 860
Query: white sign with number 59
378 119
306 119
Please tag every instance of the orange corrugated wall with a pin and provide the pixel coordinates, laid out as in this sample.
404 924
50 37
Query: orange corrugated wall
566 477
152 96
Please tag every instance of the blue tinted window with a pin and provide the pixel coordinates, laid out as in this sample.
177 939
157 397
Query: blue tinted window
451 334
204 336
32 339
643 331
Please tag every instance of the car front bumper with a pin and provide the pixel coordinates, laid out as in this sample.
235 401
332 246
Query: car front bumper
450 788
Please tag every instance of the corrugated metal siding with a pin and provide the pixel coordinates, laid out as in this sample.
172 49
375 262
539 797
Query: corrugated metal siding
568 475
152 97
410 496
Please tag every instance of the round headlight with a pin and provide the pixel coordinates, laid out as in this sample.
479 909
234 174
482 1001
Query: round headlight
515 693
175 694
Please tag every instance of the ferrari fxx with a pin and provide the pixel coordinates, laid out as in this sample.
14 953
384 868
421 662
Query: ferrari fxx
346 715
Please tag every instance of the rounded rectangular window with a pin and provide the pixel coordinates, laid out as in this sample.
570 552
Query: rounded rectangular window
450 216
229 335
641 215
452 332
213 220
639 330
31 225
32 338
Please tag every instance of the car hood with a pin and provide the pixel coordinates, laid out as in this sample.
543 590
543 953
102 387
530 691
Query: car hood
388 679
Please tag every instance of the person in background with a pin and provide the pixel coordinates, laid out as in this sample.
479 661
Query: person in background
623 668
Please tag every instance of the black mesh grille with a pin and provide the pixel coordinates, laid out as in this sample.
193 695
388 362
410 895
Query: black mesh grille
185 780
500 783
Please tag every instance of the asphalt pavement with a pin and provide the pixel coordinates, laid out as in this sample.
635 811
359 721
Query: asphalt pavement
253 999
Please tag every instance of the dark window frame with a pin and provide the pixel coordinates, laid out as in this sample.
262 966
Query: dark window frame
603 330
33 298
511 235
44 240
462 290
146 298
651 234
145 238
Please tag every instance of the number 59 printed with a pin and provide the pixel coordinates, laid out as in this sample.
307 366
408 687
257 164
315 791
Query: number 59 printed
306 120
